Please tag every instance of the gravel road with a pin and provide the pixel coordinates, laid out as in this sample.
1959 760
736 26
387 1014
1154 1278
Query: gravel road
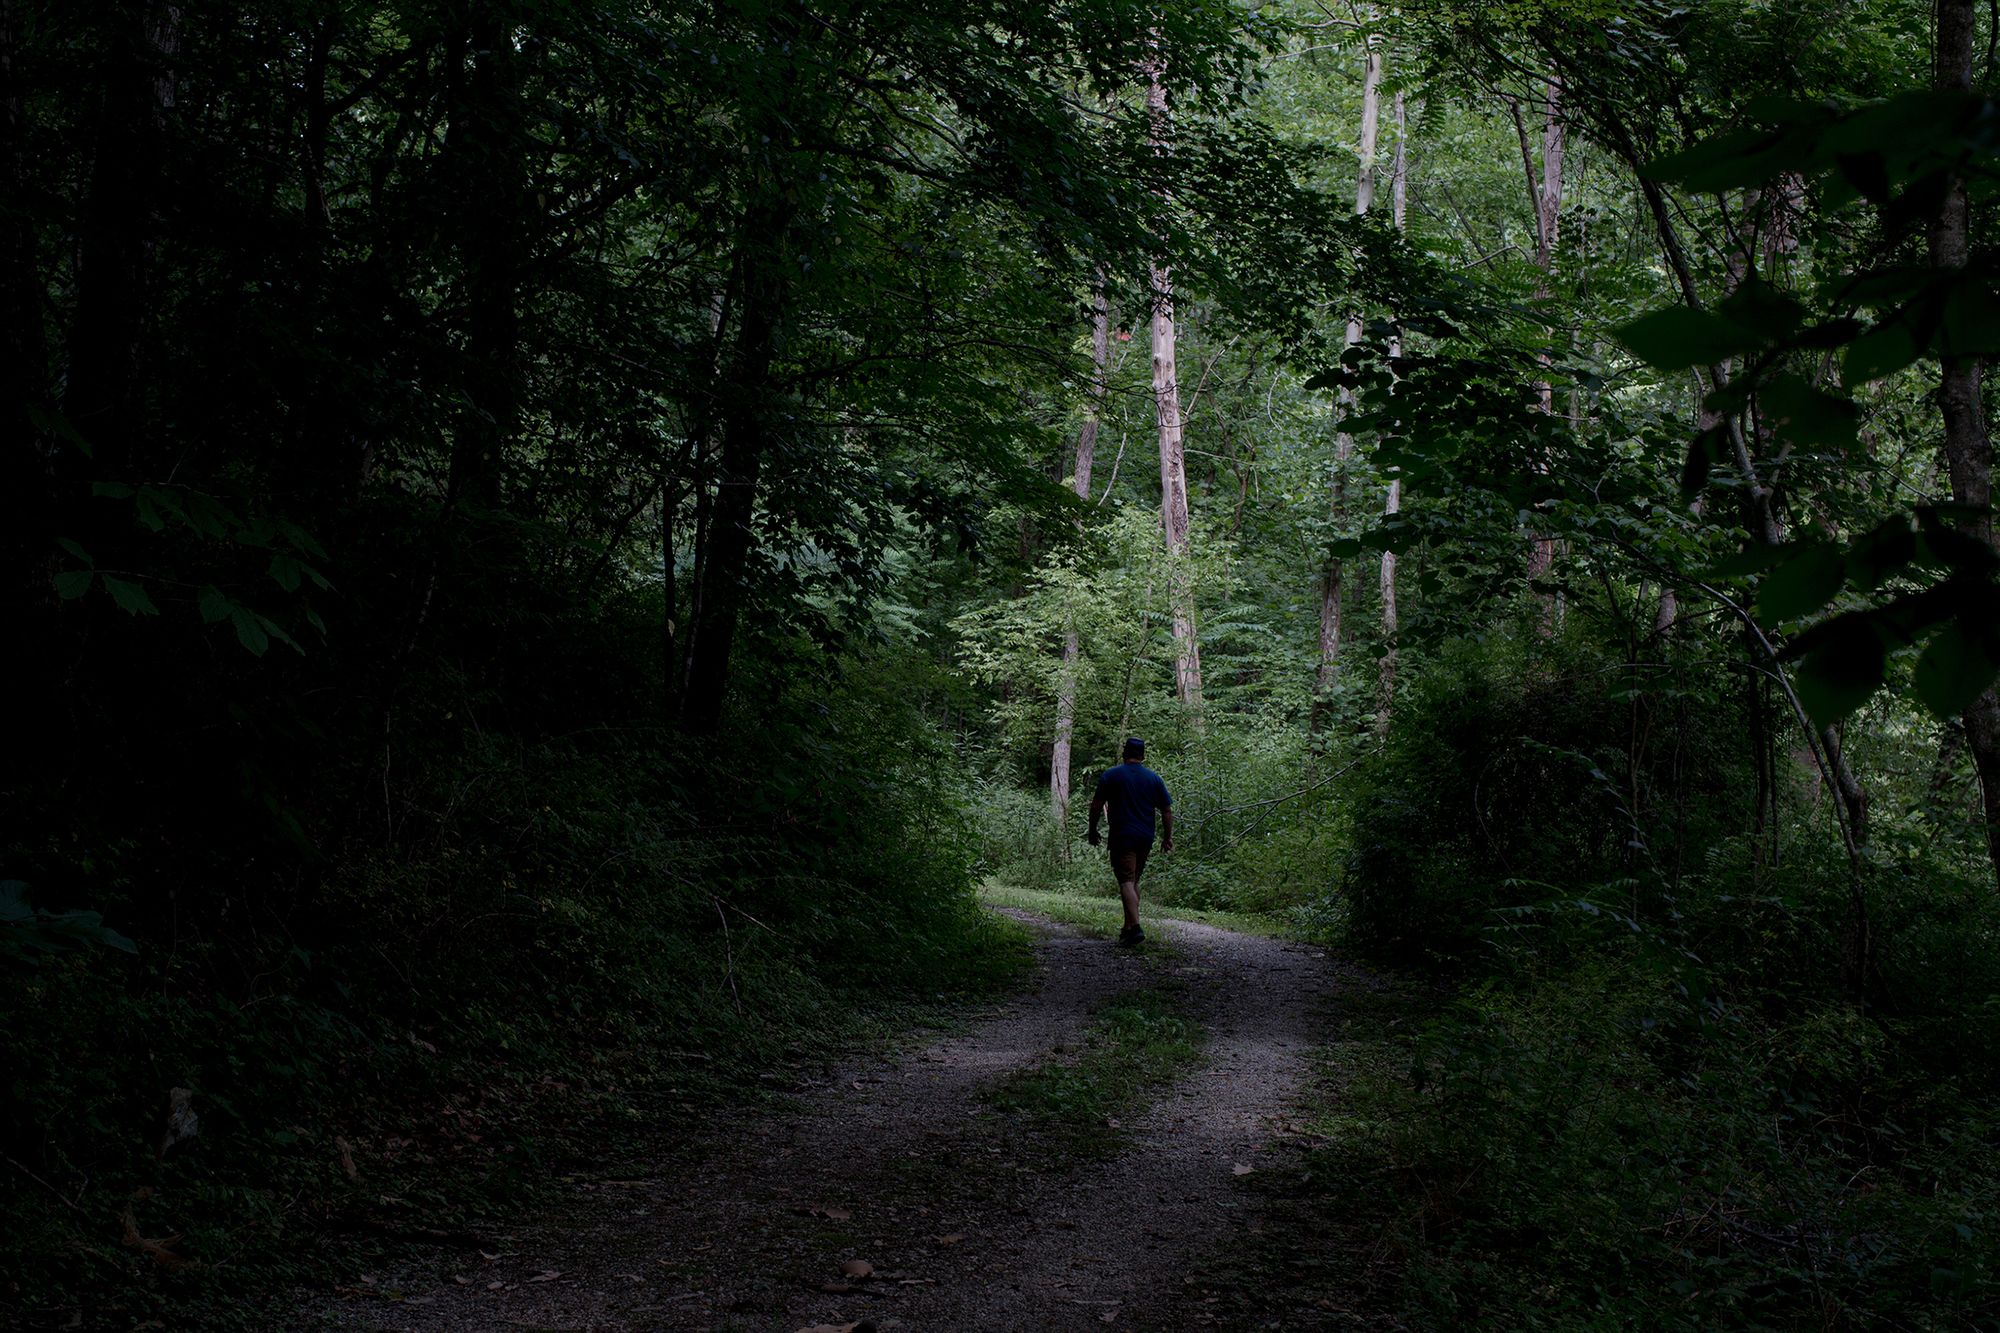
962 1218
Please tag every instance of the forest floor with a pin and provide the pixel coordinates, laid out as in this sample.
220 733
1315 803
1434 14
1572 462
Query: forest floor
954 1186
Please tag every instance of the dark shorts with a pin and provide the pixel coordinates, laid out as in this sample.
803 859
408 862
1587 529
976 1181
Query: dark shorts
1128 860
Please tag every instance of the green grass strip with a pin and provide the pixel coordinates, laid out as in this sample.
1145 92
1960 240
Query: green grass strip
1135 1044
1101 915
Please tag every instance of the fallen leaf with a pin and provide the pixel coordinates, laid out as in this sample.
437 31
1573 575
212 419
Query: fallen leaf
546 1275
495 1285
858 1268
346 1151
835 1214
836 1288
1109 1316
461 1279
1241 1170
953 1239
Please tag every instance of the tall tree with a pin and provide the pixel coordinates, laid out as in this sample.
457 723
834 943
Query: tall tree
1968 444
1086 453
1392 504
1546 193
1174 522
1343 443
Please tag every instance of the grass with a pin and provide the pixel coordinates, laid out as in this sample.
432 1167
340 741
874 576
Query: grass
1100 915
1135 1043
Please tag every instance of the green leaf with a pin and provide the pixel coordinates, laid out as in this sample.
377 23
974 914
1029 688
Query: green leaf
132 599
1881 554
277 631
285 571
215 607
1769 311
1953 670
1704 452
74 583
1810 417
249 632
1808 578
1842 674
1882 351
1676 338
74 549
1971 322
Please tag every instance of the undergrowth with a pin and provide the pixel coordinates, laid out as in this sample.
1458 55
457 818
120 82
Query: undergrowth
1658 1092
1135 1043
543 942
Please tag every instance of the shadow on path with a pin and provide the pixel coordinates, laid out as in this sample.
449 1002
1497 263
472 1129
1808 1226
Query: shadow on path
963 1220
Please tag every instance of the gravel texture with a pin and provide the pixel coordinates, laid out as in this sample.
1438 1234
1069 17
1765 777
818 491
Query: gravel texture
963 1217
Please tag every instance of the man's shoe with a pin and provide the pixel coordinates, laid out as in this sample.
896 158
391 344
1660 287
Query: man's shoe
1131 937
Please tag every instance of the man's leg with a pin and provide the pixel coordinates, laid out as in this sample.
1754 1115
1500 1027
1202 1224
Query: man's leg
1130 863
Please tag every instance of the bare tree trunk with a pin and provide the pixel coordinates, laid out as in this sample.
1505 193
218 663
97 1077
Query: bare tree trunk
1086 454
1343 442
1173 458
1385 680
723 565
1968 445
1548 217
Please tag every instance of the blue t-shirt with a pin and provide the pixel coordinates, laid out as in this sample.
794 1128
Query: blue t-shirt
1133 792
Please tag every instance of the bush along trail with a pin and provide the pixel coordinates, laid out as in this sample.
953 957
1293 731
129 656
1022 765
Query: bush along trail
1066 1159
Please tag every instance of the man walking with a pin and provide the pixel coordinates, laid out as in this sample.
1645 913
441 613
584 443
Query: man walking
1133 792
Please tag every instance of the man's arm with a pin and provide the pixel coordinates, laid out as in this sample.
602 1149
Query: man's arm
1096 809
1166 828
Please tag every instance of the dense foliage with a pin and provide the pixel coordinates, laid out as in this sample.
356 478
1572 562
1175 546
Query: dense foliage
550 545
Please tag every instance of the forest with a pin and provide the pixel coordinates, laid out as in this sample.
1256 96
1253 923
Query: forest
574 564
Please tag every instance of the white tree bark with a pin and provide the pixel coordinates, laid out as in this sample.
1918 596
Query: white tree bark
1385 681
1343 442
1086 453
1173 457
1548 214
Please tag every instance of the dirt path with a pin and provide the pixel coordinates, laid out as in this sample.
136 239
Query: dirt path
966 1223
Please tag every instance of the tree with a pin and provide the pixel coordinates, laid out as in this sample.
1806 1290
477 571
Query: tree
1086 451
1968 444
1174 521
1392 503
1364 199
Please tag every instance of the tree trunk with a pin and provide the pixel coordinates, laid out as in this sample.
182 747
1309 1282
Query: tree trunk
1385 680
120 232
1343 442
1174 521
1968 446
744 423
1086 454
1548 216
26 481
488 139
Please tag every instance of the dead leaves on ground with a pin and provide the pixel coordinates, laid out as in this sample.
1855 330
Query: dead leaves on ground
160 1251
858 1276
